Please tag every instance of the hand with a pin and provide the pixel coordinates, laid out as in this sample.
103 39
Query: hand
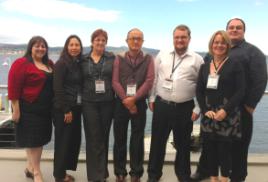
151 106
194 116
220 115
249 109
16 115
210 114
68 117
133 110
129 102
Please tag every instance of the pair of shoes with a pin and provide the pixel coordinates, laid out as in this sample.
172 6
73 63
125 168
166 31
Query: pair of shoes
68 178
120 178
152 180
135 179
197 176
28 173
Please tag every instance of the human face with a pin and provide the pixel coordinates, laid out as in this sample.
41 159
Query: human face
74 47
135 40
236 30
39 50
181 41
219 46
99 43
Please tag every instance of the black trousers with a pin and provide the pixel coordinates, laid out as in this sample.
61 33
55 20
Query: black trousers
67 142
203 164
167 117
136 146
240 148
219 156
97 123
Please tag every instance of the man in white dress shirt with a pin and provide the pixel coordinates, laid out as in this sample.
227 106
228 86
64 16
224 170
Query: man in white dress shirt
171 101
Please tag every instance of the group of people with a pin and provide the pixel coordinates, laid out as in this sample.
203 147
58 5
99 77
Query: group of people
105 88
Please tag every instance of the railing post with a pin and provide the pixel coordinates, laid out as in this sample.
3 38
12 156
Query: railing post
7 104
1 102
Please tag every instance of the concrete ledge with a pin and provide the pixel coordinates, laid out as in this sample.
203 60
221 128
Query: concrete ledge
19 154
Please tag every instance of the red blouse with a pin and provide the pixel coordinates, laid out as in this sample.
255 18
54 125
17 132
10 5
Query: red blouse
25 80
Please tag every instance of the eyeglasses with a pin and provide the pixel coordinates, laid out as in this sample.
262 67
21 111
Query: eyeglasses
99 40
138 39
239 27
219 43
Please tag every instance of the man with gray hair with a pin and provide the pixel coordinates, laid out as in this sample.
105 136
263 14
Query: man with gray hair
133 76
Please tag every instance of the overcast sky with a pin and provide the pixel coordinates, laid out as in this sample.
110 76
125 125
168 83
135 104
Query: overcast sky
57 19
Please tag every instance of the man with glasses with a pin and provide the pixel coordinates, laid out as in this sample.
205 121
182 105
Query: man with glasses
133 76
172 103
254 62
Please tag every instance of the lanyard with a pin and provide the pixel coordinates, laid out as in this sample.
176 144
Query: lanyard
220 65
174 68
99 66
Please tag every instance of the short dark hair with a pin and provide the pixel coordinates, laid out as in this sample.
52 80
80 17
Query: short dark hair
98 32
242 21
183 27
64 53
32 41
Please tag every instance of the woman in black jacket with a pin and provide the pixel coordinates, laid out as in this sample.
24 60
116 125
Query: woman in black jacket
220 90
67 85
98 105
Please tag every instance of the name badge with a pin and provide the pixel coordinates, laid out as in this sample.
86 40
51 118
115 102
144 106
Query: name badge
168 84
131 89
99 86
213 81
79 99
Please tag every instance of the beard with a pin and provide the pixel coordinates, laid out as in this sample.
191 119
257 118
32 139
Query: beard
181 50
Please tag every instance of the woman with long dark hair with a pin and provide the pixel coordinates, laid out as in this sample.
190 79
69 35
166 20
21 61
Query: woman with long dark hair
30 92
67 85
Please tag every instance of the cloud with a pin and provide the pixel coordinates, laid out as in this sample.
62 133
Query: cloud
15 30
58 9
258 2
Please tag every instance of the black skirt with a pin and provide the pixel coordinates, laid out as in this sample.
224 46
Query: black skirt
35 125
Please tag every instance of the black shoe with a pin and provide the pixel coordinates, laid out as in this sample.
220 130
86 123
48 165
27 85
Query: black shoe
183 179
28 173
197 176
120 178
152 180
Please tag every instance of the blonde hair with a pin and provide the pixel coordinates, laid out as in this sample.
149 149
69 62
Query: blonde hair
225 38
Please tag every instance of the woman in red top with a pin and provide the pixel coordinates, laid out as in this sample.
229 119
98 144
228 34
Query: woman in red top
30 92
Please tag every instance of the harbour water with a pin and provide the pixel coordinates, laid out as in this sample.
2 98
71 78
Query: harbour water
259 142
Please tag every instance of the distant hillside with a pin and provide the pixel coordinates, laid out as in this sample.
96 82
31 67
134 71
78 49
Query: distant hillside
56 50
4 48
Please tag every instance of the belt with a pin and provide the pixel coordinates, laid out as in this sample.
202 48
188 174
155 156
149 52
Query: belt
167 101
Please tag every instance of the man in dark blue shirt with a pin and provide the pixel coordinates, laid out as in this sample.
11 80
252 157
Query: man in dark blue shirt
254 62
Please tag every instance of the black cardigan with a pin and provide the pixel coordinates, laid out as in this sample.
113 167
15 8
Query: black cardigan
231 86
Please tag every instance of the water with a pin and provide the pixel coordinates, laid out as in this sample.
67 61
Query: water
259 142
